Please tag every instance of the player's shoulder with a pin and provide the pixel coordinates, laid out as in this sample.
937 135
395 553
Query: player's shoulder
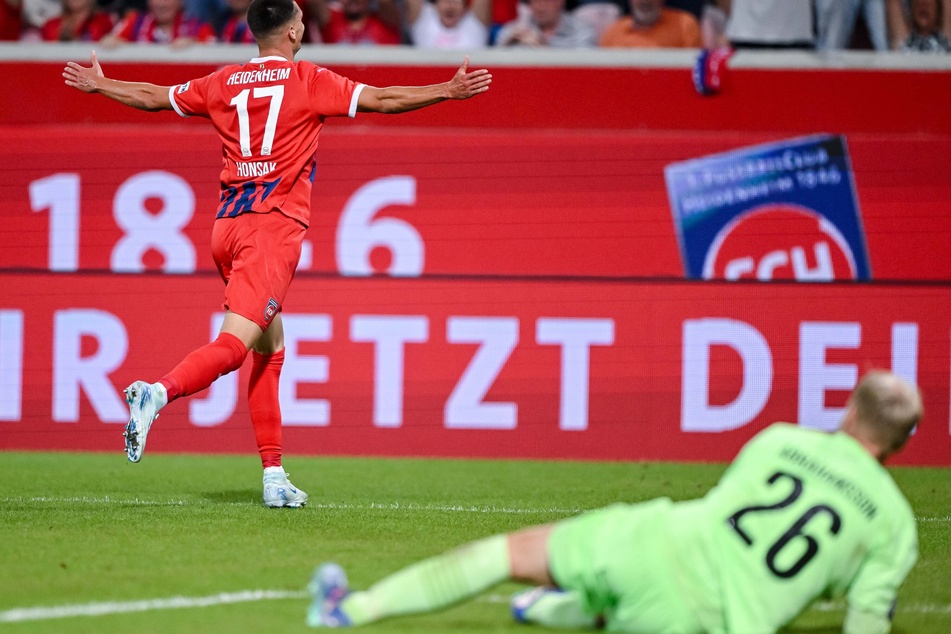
900 506
307 71
781 432
788 441
305 68
226 71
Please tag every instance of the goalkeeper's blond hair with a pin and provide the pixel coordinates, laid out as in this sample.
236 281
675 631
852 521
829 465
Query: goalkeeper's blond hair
887 408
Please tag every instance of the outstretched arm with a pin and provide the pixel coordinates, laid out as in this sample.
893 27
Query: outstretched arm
396 99
136 94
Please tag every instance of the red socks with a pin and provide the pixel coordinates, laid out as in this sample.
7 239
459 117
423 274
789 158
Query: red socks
265 406
225 354
199 369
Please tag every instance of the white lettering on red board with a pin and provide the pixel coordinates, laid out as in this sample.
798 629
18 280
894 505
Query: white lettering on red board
817 375
85 371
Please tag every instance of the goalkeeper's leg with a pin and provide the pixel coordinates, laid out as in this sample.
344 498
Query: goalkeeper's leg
434 583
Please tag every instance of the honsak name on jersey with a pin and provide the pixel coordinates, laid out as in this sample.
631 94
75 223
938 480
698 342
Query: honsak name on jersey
268 113
256 168
256 76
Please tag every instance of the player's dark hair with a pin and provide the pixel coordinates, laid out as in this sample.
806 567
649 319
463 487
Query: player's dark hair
266 16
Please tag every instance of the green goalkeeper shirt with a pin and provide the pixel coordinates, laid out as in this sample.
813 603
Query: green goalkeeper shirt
799 515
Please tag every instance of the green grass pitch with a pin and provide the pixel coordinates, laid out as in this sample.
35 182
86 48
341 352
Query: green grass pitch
91 530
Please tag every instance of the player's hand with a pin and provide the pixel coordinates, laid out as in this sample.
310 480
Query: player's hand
465 84
84 78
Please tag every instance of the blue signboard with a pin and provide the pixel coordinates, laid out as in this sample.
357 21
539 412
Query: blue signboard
786 210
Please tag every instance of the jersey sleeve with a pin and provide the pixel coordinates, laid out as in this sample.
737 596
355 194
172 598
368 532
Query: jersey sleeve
191 98
332 95
872 595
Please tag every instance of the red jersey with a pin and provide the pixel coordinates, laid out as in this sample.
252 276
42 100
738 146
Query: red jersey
141 27
373 31
268 114
92 29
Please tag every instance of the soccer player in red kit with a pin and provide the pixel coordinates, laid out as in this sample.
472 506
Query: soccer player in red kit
268 113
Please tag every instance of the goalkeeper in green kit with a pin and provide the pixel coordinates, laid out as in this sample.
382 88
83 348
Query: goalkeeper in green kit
799 515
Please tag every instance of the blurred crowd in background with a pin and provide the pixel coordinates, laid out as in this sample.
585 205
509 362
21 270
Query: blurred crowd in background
823 25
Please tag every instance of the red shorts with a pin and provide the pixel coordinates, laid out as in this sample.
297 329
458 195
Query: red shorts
257 256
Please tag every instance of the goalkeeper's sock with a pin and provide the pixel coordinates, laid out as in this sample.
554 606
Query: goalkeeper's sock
434 583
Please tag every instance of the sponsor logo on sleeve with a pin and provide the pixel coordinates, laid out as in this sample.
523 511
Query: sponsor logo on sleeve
184 87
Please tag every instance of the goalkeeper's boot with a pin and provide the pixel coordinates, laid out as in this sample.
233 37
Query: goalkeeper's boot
279 492
552 608
329 588
144 400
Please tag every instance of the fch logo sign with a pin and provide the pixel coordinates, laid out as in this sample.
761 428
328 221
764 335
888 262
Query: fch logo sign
786 210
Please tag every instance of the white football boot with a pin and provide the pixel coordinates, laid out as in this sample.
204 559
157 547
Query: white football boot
279 492
144 400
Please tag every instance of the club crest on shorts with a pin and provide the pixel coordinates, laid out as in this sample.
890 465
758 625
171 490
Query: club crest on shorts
785 210
270 310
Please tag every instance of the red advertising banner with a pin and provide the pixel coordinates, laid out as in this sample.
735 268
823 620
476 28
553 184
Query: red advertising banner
416 201
456 366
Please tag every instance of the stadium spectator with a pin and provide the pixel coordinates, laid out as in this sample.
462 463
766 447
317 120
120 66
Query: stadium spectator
835 23
119 8
36 13
798 515
268 113
235 29
547 24
353 22
769 23
449 24
11 20
694 7
712 20
652 25
924 34
598 14
212 12
81 21
164 23
503 12
713 23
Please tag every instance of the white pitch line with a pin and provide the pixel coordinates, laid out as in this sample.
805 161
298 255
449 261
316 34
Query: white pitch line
18 615
917 608
374 506
116 607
